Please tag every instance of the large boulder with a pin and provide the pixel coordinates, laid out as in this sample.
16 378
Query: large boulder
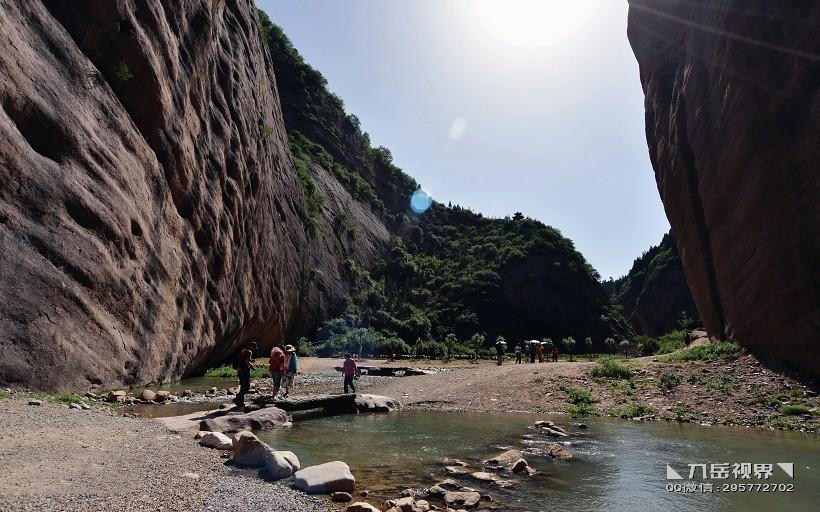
325 478
560 452
505 458
376 403
147 394
216 440
732 128
266 418
279 466
249 451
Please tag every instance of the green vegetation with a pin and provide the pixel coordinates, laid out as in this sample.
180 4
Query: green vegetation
312 195
4 394
705 352
122 71
305 348
671 342
635 410
694 378
580 402
609 369
226 371
794 410
60 398
722 383
645 345
668 381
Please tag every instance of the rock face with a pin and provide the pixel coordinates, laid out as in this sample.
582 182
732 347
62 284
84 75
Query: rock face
654 293
266 418
150 219
732 125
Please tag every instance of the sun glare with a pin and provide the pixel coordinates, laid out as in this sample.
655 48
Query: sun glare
531 22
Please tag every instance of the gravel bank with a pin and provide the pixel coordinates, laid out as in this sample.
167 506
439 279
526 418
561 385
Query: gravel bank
55 458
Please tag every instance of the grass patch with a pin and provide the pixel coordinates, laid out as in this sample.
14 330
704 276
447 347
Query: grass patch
668 381
794 410
635 410
671 342
226 371
4 394
577 396
705 352
608 369
695 378
582 409
722 383
60 398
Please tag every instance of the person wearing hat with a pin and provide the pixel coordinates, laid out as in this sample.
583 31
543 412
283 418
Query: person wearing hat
243 365
291 369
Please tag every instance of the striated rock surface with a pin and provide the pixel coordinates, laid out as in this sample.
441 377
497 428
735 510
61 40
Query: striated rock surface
732 123
150 218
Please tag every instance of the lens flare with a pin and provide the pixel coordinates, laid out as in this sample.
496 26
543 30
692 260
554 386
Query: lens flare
420 201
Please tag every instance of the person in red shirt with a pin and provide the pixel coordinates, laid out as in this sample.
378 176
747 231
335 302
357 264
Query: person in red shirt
276 367
349 370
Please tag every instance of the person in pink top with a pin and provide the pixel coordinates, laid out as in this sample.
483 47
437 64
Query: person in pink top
276 367
349 370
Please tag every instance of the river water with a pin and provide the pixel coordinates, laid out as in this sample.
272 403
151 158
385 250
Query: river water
619 464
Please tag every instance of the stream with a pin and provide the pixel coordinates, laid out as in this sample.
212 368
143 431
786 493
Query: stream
619 464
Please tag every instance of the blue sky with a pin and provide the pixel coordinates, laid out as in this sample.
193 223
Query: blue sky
501 106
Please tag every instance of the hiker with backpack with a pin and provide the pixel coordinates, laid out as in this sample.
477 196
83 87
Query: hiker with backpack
243 365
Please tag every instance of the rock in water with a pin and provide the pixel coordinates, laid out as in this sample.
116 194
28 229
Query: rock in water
462 499
269 417
216 440
147 394
292 459
249 451
559 452
376 403
732 130
325 478
277 466
504 458
341 497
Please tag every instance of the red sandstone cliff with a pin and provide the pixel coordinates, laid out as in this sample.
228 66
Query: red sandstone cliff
150 220
732 96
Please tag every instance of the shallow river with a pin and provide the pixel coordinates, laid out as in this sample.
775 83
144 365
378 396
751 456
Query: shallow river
620 464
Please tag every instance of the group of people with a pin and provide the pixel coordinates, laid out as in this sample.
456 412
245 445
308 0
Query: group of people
282 368
533 352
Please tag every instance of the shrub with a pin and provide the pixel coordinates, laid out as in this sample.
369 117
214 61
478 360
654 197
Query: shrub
794 410
227 371
4 394
636 410
668 381
646 346
608 369
582 409
694 378
577 396
705 352
722 383
671 342
122 71
304 348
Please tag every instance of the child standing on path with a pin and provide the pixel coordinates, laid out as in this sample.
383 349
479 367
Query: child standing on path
291 369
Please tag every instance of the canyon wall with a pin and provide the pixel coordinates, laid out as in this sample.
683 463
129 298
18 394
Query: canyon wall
150 218
732 92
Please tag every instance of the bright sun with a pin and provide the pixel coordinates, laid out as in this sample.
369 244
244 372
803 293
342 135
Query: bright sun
532 22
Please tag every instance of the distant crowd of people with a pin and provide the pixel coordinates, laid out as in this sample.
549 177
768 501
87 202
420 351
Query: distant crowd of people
530 350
